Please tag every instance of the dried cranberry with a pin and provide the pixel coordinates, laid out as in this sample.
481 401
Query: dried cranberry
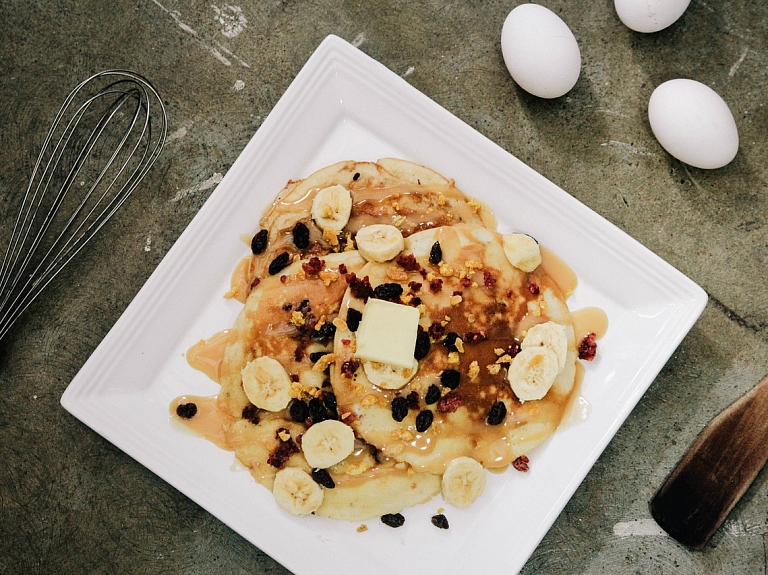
393 519
533 287
360 288
301 235
349 367
436 331
449 402
414 286
588 347
299 411
259 242
326 332
440 521
282 453
422 345
474 337
186 410
413 400
433 394
450 341
388 291
450 378
342 269
408 262
521 463
436 285
465 282
251 413
424 420
488 280
436 254
497 413
324 478
353 319
399 408
313 267
279 263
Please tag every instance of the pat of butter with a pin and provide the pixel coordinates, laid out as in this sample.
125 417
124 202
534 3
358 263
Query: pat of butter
387 333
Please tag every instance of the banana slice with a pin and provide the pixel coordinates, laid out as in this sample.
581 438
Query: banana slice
532 372
327 443
388 376
331 208
522 251
379 242
463 481
551 335
295 491
266 383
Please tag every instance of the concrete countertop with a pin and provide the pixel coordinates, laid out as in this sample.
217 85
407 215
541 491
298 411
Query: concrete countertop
70 502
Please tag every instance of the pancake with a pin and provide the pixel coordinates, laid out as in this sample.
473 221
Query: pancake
290 318
390 191
473 291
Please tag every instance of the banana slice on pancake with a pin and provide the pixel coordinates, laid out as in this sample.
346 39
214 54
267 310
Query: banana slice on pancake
323 213
476 308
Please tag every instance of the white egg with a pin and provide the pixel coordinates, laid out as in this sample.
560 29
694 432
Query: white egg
693 123
540 51
649 15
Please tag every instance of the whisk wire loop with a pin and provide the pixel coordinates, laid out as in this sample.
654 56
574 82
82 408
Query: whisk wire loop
104 139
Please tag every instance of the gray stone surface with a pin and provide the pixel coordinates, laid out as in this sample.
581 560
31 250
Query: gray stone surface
70 502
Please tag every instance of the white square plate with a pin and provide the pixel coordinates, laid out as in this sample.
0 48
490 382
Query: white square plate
344 105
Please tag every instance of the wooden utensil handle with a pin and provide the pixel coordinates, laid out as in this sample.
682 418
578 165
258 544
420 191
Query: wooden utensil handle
715 472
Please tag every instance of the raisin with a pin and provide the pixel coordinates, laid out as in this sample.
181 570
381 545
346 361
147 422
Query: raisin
326 332
436 254
301 236
399 408
424 420
318 411
186 410
393 519
440 521
329 401
279 263
324 478
316 355
353 319
497 413
433 394
450 341
422 345
299 411
259 242
388 291
251 413
356 176
450 378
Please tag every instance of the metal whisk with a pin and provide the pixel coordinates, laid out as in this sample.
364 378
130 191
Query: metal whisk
103 141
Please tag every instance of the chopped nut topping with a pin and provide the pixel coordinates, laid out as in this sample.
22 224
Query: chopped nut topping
504 359
322 363
493 368
340 324
297 318
459 343
330 236
397 273
445 269
328 276
499 351
456 299
475 205
368 401
453 357
284 434
441 200
474 371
